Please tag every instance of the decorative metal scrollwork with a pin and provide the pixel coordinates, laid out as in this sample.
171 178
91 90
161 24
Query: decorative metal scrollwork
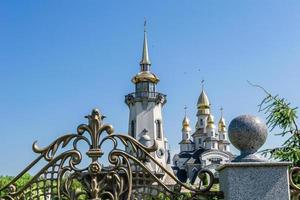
126 174
295 189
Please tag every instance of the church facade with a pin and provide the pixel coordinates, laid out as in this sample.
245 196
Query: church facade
207 147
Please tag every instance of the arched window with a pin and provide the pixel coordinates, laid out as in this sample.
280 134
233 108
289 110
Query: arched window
158 129
201 122
132 129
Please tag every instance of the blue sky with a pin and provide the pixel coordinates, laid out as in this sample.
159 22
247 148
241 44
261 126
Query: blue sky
60 59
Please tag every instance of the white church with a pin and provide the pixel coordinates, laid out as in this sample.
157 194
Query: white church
207 147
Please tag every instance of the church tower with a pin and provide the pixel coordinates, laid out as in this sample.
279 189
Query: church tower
224 144
211 141
203 107
145 108
186 143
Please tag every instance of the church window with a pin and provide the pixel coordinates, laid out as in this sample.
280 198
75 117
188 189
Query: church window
132 129
142 89
158 128
151 87
139 87
145 86
200 141
201 122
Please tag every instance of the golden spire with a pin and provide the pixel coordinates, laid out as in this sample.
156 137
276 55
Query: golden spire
186 122
145 56
145 75
210 122
203 104
222 124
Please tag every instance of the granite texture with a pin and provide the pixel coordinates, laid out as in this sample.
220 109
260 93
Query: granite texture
247 133
255 181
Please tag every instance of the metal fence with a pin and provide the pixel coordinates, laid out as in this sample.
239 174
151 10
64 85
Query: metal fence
126 176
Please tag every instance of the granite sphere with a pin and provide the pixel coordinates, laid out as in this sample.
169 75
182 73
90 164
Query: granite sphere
247 133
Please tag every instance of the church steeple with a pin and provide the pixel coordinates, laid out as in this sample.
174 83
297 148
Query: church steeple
145 107
145 62
203 104
145 75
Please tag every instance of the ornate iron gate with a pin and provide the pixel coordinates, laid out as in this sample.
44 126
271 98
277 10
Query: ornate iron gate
125 177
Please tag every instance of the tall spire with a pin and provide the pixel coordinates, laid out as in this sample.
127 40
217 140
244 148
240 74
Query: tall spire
222 124
145 75
186 122
145 62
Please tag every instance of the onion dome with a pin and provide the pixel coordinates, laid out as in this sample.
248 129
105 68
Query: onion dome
145 76
203 104
210 122
222 125
186 125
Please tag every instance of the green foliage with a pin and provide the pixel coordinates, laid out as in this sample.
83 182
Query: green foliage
4 180
282 116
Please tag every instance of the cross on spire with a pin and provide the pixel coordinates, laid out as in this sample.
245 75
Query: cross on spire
145 62
185 108
221 111
202 83
145 25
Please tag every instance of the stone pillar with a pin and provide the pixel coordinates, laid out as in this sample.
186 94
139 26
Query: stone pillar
248 177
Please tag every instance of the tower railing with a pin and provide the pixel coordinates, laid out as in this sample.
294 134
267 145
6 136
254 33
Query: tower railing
146 94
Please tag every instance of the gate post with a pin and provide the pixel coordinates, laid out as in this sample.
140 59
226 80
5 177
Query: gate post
247 176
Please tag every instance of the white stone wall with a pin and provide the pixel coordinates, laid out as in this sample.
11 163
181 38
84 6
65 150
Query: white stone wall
145 114
186 147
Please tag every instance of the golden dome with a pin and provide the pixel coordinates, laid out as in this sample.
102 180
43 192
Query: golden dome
186 124
186 121
145 76
203 101
222 125
203 104
210 122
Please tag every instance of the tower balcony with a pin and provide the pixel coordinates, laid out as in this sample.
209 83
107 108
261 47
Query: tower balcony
156 97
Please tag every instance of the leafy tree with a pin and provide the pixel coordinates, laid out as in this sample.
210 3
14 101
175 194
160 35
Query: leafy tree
282 116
